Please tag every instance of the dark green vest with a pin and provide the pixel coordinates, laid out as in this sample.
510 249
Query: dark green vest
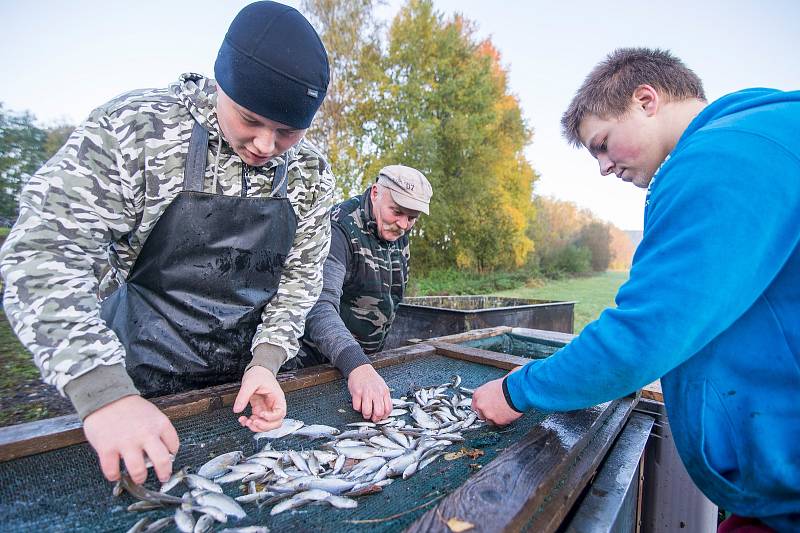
376 279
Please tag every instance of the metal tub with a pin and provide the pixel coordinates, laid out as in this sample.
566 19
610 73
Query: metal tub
436 316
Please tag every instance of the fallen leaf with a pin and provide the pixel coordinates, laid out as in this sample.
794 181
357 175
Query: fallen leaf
459 525
472 453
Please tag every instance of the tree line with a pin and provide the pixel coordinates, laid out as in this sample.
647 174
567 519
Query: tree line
422 91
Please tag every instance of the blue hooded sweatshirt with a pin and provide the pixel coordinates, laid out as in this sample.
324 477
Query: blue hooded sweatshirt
712 307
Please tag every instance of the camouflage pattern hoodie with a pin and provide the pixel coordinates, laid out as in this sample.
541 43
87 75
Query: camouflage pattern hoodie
85 215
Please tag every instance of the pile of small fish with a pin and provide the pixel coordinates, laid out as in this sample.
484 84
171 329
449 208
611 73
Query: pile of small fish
353 463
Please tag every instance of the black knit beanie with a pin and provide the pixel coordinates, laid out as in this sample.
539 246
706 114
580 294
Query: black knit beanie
274 64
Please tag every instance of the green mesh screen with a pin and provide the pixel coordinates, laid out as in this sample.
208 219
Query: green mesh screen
63 490
518 345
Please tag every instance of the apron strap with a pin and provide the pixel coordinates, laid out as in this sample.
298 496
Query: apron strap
279 180
194 172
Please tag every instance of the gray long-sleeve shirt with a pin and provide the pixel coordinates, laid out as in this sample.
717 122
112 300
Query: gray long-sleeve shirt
325 330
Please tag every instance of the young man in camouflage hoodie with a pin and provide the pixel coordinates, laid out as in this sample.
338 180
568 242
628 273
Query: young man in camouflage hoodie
177 241
365 277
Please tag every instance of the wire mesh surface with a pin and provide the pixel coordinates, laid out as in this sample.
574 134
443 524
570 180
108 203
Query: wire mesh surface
63 490
519 345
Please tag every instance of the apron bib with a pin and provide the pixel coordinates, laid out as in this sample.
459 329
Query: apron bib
189 309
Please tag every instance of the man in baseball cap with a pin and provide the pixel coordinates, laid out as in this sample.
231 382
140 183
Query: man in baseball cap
407 187
364 279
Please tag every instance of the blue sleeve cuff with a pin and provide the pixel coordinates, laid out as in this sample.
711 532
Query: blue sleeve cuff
517 384
507 395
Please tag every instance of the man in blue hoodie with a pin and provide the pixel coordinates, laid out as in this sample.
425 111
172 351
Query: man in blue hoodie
712 306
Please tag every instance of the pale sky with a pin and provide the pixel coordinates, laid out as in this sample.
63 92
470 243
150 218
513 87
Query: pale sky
60 59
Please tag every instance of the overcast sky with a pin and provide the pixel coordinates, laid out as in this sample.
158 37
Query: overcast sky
60 59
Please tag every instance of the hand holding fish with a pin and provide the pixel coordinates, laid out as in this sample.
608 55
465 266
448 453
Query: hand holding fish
490 404
130 429
261 390
370 393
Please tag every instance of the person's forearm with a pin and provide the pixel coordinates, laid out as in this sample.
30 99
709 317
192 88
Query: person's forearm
325 328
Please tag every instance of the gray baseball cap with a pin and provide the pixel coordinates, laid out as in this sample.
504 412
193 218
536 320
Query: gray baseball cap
408 186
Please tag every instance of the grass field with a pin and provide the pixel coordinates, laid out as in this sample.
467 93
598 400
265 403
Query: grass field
593 294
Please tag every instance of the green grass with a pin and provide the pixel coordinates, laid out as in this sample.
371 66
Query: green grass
450 282
593 294
16 369
16 364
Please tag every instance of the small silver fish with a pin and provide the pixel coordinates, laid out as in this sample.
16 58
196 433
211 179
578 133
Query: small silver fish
204 524
139 526
219 464
196 481
159 525
224 503
341 502
184 520
317 431
288 427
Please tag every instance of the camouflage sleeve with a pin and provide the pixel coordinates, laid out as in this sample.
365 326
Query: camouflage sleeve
283 319
70 211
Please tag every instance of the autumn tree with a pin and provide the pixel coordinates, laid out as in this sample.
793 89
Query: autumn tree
351 35
622 249
596 237
443 106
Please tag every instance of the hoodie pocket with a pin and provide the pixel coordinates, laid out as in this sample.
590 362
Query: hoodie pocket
700 421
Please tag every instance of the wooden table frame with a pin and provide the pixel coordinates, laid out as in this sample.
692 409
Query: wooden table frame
532 484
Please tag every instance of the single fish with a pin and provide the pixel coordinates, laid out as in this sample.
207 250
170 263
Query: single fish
174 480
423 418
357 452
144 505
288 427
159 525
385 442
219 465
317 431
142 493
204 524
184 520
332 485
196 481
139 526
341 502
224 503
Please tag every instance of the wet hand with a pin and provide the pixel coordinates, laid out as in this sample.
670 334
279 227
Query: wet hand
370 393
130 429
490 404
261 390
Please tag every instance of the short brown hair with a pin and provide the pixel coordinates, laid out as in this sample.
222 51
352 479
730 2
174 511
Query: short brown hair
607 90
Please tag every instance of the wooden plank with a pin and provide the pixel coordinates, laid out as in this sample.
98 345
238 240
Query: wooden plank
552 336
527 478
45 435
476 355
579 476
612 502
653 391
466 336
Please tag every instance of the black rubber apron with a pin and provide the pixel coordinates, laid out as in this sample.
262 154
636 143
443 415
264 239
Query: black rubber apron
188 311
